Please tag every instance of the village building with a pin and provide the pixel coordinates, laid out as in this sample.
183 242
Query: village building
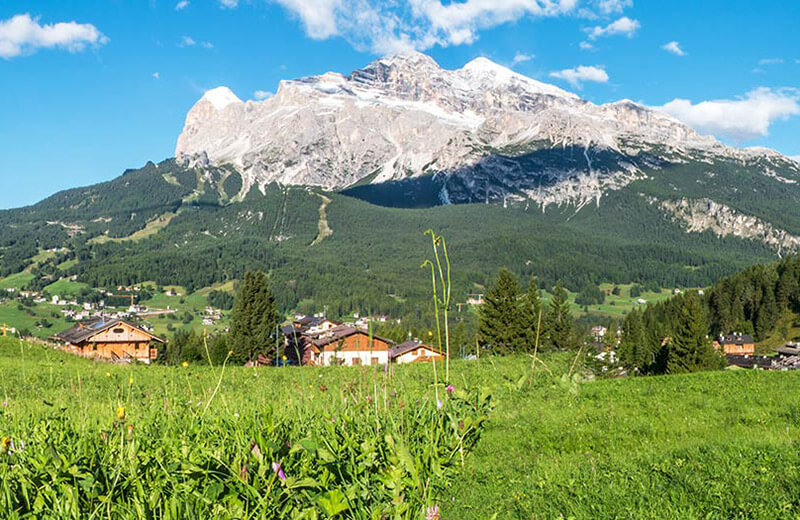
111 340
736 344
414 352
475 299
349 346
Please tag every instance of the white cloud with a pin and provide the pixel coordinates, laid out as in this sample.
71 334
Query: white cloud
613 6
388 26
22 34
586 46
674 47
156 75
521 58
581 74
746 117
625 26
262 94
188 41
183 4
770 61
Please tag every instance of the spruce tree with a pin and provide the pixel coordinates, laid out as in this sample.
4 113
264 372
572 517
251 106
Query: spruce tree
559 320
633 347
691 349
533 317
500 324
254 319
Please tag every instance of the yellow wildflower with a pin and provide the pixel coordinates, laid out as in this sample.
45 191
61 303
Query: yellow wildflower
5 444
130 380
108 374
121 413
185 364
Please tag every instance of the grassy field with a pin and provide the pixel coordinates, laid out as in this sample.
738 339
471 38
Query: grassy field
363 443
80 439
717 445
27 317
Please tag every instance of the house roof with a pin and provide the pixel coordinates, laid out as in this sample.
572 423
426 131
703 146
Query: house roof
341 332
736 339
408 346
309 321
86 329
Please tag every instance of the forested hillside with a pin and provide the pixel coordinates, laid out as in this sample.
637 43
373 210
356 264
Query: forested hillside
176 224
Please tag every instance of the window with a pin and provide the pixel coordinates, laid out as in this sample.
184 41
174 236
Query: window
375 361
118 331
356 361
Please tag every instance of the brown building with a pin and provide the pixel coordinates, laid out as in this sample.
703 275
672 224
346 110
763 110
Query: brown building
738 344
111 340
414 352
347 346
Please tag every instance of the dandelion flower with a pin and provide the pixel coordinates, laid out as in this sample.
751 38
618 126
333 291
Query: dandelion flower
108 374
5 445
121 413
185 364
276 467
130 380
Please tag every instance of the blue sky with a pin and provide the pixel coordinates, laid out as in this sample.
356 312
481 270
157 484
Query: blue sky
90 88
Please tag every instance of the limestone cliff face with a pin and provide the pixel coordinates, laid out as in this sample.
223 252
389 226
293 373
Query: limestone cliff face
706 215
404 117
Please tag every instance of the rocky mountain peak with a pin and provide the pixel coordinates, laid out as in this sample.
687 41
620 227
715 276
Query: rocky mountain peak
404 117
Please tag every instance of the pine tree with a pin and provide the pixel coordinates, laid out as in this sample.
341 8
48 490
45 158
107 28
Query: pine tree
610 337
633 347
559 320
691 349
533 317
254 319
500 324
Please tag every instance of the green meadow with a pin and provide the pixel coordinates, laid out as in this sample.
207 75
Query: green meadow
86 439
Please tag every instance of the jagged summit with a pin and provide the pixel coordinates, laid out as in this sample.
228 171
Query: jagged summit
220 97
492 132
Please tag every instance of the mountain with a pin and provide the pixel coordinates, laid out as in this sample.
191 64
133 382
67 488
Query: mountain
479 133
329 185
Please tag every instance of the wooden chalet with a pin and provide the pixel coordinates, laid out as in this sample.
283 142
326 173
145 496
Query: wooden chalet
111 340
737 344
414 352
344 345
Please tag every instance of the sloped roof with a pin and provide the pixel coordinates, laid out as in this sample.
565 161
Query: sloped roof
736 339
86 329
408 346
338 333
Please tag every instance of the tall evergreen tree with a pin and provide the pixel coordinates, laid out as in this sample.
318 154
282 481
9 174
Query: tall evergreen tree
533 317
500 325
559 320
633 346
254 319
690 349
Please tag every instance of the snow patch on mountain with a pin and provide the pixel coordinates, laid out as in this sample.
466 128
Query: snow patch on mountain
404 116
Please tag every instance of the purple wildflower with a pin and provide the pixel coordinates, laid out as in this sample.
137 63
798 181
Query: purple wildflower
450 389
276 467
5 404
438 404
432 513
